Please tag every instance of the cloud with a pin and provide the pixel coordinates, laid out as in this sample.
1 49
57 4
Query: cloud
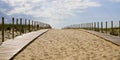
115 0
54 10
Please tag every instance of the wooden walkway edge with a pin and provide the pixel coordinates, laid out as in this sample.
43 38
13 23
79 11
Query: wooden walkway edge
12 47
113 39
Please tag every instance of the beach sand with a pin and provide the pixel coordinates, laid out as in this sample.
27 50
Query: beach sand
69 45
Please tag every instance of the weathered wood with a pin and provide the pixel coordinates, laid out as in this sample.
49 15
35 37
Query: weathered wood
11 48
29 26
102 27
17 25
2 29
98 26
112 30
119 28
20 26
25 27
106 27
110 38
13 27
94 26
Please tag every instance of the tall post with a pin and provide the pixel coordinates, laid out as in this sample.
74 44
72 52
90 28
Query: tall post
94 26
20 26
102 27
119 28
16 25
98 26
2 29
106 28
35 25
13 27
25 26
29 26
32 25
112 27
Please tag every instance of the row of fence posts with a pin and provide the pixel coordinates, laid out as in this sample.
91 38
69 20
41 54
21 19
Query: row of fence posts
98 26
30 26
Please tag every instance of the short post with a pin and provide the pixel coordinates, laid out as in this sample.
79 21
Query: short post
106 28
2 29
13 27
112 27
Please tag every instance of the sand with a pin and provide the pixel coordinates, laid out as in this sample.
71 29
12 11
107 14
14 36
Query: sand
69 45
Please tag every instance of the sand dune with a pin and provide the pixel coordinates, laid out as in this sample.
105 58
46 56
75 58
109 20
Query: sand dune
69 45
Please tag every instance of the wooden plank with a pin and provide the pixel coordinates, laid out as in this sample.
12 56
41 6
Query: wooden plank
10 48
110 38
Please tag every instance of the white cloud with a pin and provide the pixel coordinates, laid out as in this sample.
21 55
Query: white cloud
54 10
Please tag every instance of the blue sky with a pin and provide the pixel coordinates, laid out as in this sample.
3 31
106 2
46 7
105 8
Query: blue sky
60 13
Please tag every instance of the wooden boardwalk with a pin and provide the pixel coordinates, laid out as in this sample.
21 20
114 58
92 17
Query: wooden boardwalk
12 47
110 38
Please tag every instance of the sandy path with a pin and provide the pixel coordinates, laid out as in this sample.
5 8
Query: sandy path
69 45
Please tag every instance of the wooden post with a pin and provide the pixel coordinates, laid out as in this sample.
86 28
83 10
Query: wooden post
119 28
2 29
16 25
20 26
35 25
94 26
106 28
98 26
13 27
39 26
112 27
29 26
25 28
32 25
102 27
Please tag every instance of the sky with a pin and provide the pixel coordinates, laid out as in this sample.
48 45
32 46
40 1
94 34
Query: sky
60 13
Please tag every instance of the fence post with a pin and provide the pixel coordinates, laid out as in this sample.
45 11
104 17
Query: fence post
119 28
98 26
94 26
35 26
16 25
25 27
13 27
102 27
20 26
29 26
2 29
106 28
112 27
32 25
